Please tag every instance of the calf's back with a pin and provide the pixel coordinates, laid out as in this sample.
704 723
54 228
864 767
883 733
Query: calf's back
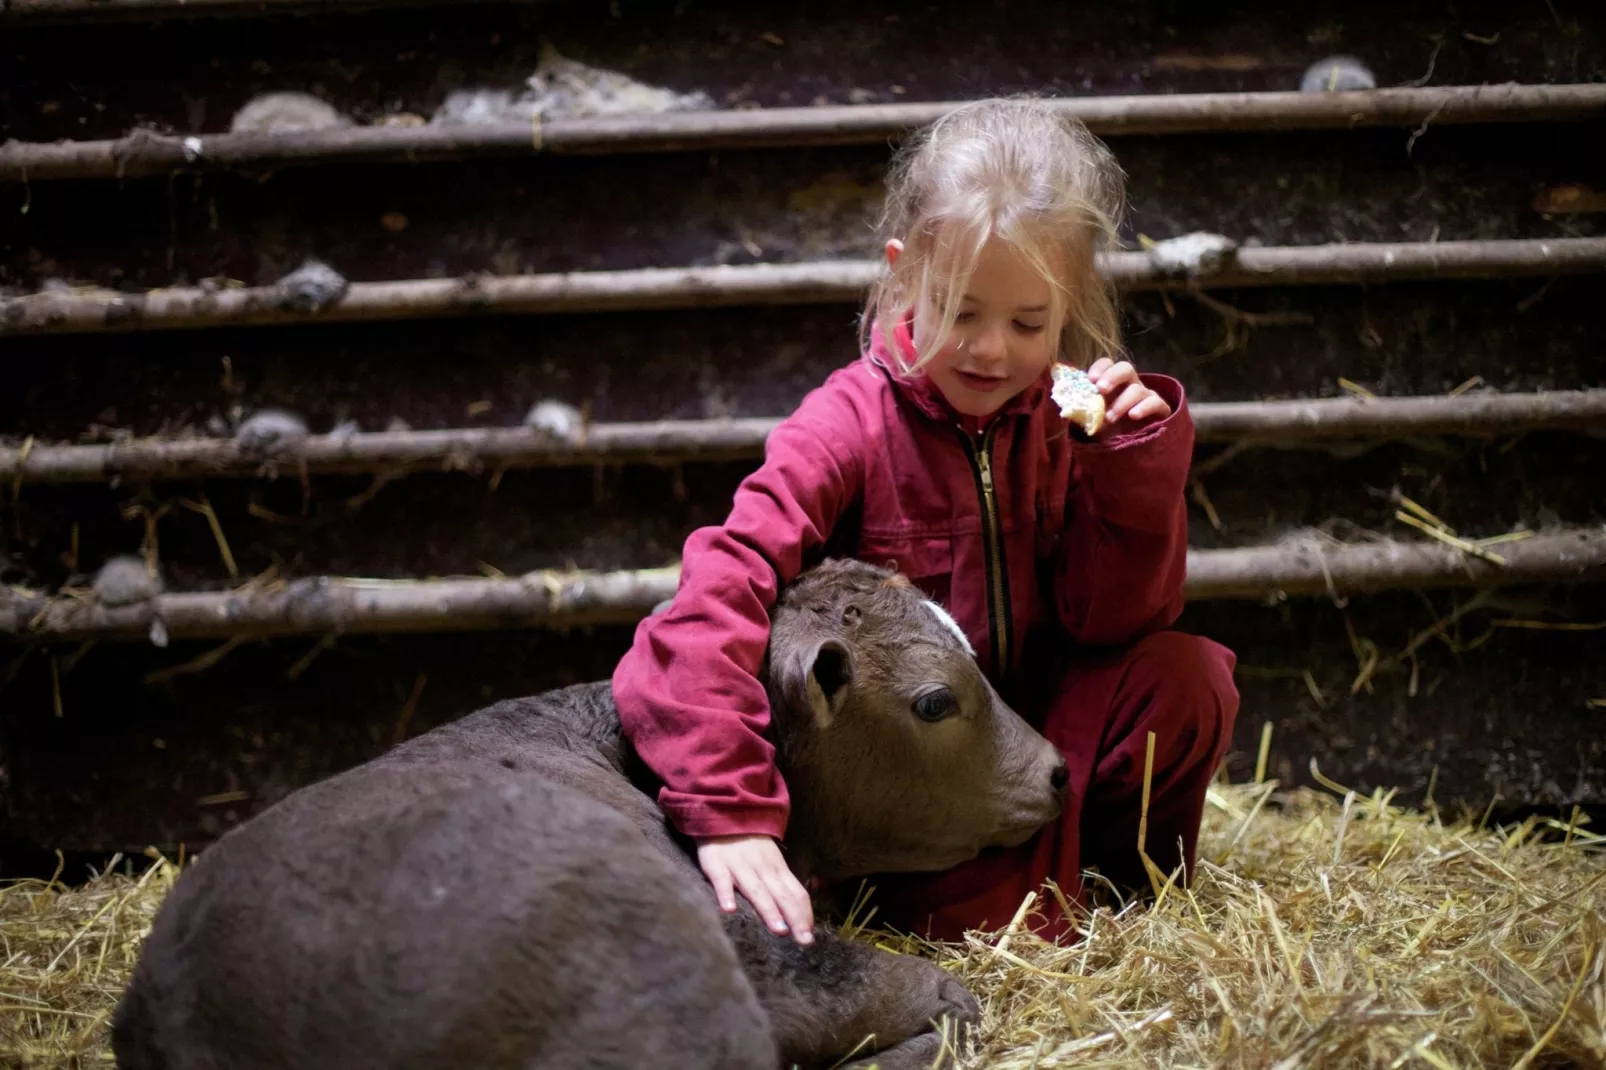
476 874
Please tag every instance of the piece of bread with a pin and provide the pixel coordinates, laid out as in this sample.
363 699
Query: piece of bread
1079 400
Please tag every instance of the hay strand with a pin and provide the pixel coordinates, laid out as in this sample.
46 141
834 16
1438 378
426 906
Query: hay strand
1443 535
1549 626
195 665
1015 923
204 507
1264 753
1410 505
1148 777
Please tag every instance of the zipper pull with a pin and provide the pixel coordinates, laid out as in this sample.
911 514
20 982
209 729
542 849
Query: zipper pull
986 470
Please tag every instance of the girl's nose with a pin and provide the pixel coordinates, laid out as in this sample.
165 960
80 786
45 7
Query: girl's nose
988 344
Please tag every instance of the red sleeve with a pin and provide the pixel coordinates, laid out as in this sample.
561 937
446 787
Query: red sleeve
688 692
1124 556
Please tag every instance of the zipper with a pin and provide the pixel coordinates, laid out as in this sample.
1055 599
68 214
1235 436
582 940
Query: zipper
997 590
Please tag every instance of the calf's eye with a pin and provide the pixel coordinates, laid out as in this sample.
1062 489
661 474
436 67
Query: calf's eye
933 706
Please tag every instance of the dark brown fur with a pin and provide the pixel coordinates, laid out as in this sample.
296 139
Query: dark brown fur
504 891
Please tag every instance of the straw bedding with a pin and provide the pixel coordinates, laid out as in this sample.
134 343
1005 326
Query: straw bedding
1319 931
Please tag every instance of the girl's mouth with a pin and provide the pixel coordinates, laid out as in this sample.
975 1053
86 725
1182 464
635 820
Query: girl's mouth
985 384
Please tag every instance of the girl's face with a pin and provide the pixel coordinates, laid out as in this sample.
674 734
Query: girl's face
1001 340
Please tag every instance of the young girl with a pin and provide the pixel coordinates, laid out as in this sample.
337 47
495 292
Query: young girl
939 452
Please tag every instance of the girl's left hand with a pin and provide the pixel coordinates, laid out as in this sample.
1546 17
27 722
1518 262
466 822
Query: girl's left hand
1127 402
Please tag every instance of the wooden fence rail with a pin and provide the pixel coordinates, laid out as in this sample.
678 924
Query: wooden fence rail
816 282
567 599
148 153
42 12
683 441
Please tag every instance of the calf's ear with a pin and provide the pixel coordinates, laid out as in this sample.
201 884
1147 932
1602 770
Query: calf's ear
829 679
819 679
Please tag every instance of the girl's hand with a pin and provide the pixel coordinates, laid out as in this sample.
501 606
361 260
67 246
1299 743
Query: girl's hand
754 865
1126 400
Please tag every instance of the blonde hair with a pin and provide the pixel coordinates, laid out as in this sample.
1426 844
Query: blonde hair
1019 169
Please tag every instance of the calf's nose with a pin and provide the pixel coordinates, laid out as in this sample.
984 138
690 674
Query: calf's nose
1060 777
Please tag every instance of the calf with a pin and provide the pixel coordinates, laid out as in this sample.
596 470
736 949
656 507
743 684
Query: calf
503 891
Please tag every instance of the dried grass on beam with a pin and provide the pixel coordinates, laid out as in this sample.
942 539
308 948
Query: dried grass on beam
815 282
1305 566
675 441
148 153
1315 933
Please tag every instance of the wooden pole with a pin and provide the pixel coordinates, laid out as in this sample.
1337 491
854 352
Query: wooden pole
815 282
678 441
341 604
1316 566
147 153
46 12
470 449
1481 413
1301 566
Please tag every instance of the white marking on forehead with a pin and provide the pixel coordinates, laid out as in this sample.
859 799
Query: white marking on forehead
951 624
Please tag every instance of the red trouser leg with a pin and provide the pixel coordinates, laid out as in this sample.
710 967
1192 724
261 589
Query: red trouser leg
1175 685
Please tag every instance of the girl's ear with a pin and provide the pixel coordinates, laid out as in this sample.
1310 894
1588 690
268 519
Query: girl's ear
894 247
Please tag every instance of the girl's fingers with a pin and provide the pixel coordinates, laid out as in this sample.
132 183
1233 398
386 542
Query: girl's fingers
794 904
724 891
1150 408
1098 368
1116 375
754 866
1127 401
759 895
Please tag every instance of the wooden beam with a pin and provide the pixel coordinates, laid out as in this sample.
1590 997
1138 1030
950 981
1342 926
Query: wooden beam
147 153
1316 566
811 282
51 12
683 441
1488 412
565 599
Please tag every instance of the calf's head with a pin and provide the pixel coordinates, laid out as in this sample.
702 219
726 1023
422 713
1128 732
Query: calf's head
898 753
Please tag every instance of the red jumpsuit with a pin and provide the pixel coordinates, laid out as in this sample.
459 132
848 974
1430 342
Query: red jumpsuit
1062 560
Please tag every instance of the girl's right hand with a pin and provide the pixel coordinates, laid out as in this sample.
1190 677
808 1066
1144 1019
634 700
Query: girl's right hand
754 865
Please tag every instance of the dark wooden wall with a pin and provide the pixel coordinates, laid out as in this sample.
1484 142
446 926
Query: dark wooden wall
123 763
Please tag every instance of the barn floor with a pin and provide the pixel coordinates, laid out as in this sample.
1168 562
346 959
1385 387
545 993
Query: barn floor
1321 931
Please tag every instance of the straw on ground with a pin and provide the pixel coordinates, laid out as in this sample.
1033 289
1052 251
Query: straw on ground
1319 931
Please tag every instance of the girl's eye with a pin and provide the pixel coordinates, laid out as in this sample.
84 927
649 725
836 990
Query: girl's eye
936 705
964 317
1028 328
